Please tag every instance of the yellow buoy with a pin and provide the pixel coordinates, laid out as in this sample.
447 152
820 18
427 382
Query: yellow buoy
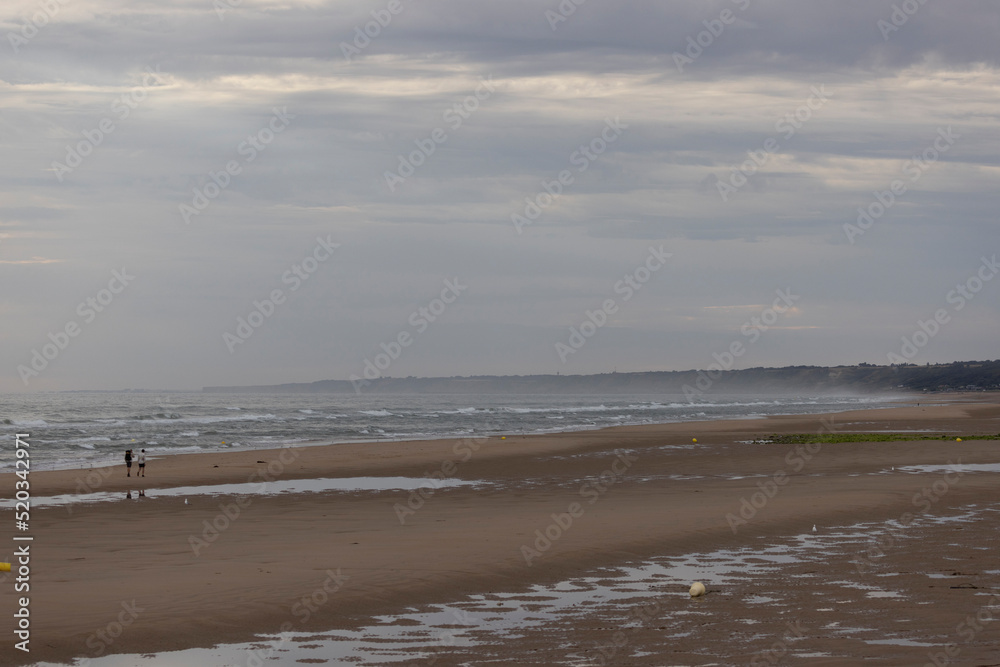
694 439
958 440
697 589
4 567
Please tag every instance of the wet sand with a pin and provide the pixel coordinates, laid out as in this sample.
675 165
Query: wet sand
376 553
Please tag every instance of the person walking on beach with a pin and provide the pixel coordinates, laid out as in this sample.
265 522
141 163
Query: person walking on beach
142 463
128 462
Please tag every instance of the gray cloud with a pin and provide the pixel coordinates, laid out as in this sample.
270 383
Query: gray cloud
218 83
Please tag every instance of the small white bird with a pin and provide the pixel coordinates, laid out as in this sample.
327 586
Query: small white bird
814 528
185 501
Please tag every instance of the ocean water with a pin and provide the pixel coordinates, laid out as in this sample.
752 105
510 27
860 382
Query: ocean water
70 430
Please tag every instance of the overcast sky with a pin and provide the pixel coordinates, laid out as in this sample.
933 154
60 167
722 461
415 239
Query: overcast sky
119 120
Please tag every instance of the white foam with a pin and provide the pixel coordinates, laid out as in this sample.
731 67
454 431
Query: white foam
29 422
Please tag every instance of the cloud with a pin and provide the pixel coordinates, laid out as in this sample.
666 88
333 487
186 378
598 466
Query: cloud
82 84
32 260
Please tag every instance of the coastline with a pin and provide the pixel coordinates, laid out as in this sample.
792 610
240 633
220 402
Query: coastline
343 458
90 560
231 425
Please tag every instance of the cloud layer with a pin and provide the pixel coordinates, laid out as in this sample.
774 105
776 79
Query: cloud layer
535 151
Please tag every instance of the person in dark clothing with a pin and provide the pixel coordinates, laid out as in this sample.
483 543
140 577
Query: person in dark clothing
128 462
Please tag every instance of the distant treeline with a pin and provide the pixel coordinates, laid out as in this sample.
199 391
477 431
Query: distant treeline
864 378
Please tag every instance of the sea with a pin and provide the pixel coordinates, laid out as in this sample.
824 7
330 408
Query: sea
92 429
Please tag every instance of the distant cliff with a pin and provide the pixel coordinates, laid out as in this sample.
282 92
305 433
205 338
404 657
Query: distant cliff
865 378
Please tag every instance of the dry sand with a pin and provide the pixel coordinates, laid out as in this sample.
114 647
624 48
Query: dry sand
664 501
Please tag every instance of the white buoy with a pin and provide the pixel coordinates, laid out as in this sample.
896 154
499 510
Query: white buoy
697 589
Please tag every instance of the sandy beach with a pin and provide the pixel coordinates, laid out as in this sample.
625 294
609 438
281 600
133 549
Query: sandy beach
545 509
